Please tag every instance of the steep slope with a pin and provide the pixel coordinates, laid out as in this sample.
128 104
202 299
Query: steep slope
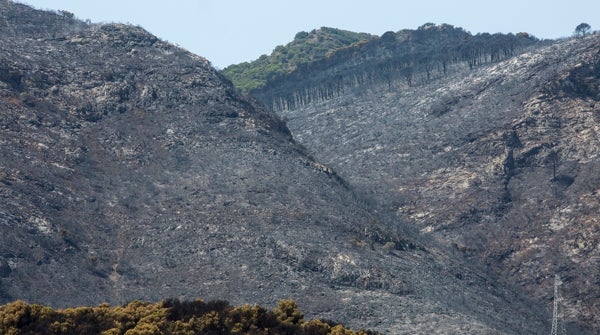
129 169
498 162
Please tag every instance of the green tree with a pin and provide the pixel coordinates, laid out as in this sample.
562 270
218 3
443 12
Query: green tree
582 29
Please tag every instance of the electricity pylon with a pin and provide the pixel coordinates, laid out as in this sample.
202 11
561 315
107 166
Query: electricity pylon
557 316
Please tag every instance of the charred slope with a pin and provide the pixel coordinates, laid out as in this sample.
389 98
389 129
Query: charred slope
498 162
129 169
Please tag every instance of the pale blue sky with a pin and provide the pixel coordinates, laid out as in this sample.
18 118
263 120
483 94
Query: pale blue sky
232 31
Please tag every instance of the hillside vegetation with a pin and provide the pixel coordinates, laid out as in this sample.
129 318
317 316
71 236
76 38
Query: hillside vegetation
411 57
169 317
305 48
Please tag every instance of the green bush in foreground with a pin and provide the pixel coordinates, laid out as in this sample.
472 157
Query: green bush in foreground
167 317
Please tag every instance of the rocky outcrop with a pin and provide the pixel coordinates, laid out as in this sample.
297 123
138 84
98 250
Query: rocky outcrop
130 169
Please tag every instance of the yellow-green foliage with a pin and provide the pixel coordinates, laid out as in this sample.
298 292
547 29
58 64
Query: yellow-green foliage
169 317
287 312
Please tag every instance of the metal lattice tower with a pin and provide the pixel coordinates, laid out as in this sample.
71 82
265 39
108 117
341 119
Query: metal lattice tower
557 316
